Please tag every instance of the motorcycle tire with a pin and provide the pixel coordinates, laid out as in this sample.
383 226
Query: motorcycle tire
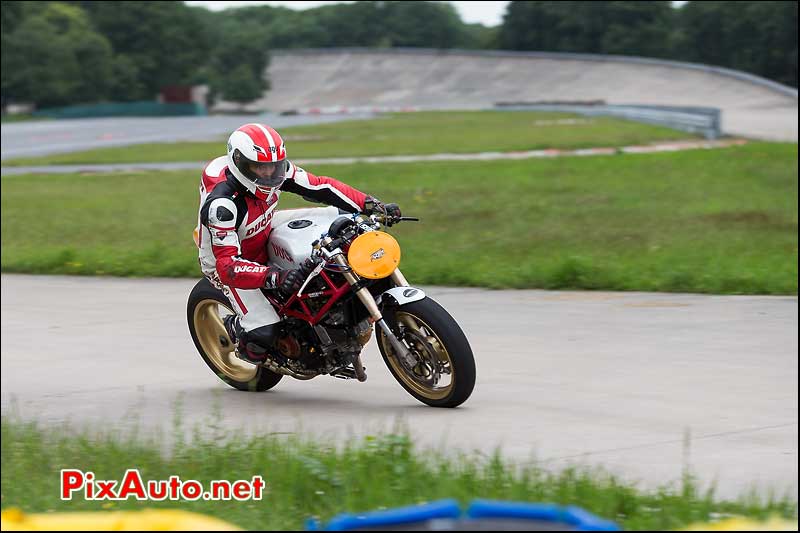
214 345
439 337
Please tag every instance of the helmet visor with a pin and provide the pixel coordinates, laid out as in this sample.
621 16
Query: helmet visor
264 174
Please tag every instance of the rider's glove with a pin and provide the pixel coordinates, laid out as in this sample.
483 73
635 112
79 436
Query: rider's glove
286 281
390 211
308 265
393 211
372 205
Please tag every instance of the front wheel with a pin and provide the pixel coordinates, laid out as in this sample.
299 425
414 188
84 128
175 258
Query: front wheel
442 370
206 309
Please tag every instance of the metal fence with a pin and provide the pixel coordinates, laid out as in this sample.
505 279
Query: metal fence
700 120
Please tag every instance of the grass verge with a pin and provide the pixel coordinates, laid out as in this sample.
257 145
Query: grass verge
403 133
20 117
306 478
717 221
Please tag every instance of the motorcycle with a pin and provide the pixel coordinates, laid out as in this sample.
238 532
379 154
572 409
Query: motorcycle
352 289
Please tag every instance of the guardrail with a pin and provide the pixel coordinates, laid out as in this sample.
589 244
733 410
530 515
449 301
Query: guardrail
701 120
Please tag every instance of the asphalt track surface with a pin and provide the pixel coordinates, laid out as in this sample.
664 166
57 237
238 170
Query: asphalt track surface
481 156
29 139
642 384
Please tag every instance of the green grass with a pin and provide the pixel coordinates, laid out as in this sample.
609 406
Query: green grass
306 478
402 133
709 221
20 117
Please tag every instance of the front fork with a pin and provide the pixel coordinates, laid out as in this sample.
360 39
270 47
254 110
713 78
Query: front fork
372 307
398 278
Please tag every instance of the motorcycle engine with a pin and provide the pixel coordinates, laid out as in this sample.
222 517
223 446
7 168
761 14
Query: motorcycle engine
297 342
348 337
289 347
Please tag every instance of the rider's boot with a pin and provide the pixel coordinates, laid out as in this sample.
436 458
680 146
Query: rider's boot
232 327
251 346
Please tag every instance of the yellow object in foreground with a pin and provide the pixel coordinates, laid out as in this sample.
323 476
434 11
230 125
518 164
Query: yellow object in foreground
374 255
13 519
746 524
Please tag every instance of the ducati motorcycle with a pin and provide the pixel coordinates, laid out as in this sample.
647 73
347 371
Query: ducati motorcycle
352 289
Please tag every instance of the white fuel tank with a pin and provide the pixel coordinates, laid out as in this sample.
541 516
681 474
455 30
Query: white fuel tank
293 231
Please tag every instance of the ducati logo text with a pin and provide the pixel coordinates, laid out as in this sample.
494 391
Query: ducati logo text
258 227
249 268
280 252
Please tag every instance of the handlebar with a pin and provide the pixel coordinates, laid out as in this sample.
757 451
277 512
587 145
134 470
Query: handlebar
344 230
383 219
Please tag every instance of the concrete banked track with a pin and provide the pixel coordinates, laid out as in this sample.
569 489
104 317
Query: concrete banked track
751 106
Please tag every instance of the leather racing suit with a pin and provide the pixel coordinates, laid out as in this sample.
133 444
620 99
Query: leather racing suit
234 227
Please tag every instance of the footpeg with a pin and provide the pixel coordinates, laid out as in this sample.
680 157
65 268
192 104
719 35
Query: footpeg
344 373
350 373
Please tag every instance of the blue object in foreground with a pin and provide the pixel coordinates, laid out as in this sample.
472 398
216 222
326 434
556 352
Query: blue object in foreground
446 515
415 514
577 518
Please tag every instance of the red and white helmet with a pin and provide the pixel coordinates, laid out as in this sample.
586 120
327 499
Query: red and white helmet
257 158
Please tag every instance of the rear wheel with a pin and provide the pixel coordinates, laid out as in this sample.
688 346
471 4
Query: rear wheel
441 372
205 311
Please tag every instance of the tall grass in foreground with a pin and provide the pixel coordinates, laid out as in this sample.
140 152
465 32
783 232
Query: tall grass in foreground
309 478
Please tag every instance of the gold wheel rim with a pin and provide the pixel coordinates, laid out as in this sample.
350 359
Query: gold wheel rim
215 341
432 344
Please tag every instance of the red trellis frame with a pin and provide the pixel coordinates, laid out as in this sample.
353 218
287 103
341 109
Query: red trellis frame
333 292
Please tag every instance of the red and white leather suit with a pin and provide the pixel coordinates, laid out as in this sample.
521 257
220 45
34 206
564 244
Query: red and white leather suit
235 227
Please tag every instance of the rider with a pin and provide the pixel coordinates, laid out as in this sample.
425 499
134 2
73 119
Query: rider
238 196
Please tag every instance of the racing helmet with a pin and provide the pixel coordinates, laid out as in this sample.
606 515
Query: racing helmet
257 159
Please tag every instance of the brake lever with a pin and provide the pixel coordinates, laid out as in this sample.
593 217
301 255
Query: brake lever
311 275
392 221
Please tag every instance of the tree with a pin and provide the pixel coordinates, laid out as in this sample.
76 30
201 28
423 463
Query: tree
125 83
758 37
53 57
242 85
240 58
530 26
479 37
160 38
94 56
754 36
365 23
421 24
638 28
12 14
628 28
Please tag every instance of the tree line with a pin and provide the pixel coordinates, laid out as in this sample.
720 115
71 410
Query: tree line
759 37
59 53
